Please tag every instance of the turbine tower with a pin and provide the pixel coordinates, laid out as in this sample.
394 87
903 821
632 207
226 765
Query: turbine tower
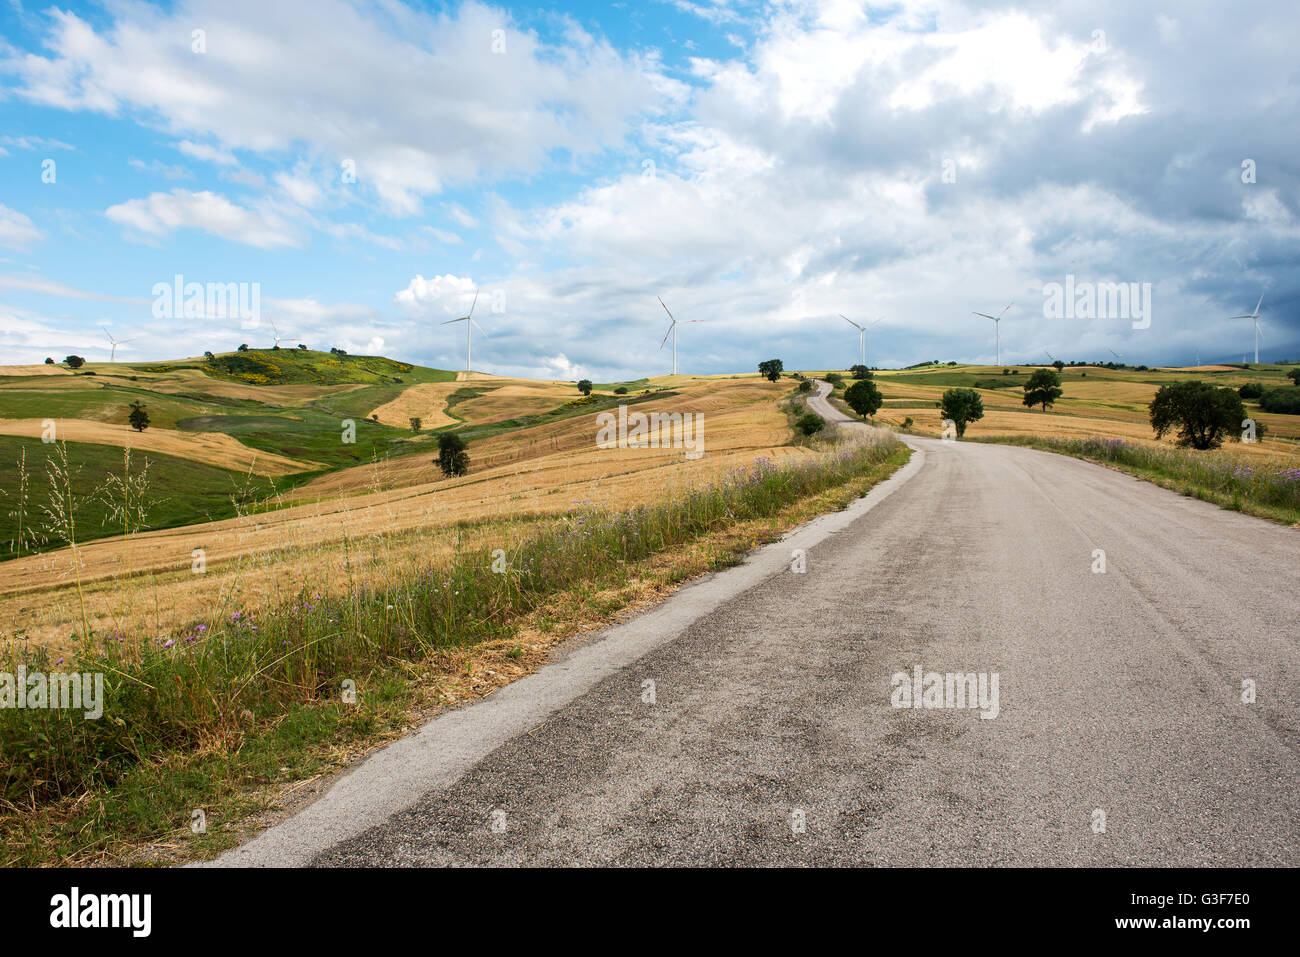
112 355
469 322
997 326
275 334
672 331
862 335
1254 317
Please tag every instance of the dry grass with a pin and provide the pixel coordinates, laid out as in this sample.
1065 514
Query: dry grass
213 448
361 521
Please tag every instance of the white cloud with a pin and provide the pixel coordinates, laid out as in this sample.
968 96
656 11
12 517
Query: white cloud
160 214
417 100
441 294
17 231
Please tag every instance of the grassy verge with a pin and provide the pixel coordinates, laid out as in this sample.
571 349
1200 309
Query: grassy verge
1265 490
226 714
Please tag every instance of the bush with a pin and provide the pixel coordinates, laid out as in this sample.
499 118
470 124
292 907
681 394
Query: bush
810 423
621 390
860 372
834 378
1284 401
1293 375
1251 390
452 457
805 386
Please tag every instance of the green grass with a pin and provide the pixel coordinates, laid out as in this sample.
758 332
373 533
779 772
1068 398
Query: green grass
107 403
302 367
183 492
1266 490
255 696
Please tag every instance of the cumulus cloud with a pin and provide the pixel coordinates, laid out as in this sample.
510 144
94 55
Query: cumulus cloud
416 100
440 295
160 214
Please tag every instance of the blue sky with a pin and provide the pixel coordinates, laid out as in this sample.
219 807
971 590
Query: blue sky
762 166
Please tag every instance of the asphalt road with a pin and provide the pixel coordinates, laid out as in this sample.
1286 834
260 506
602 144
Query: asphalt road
772 738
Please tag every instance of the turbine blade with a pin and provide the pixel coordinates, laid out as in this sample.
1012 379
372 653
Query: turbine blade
473 304
985 315
477 326
850 321
450 321
666 309
1258 304
669 332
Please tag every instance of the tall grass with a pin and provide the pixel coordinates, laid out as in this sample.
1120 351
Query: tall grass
1268 489
209 684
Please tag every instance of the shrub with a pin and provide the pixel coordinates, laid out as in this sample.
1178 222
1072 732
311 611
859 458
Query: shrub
834 378
1285 401
74 362
621 390
805 386
810 423
1251 390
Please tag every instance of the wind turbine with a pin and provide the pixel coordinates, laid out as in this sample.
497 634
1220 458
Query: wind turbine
997 325
1117 355
672 331
862 335
1050 356
1254 317
275 334
469 322
112 355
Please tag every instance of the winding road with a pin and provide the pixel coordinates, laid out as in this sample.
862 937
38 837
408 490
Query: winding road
751 719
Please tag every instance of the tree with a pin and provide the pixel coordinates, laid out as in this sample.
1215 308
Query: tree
209 356
302 346
49 361
1043 388
584 386
416 422
1059 365
1251 390
1284 401
1294 375
863 397
621 390
243 347
860 372
805 385
138 418
452 457
963 406
771 369
74 362
834 378
1203 414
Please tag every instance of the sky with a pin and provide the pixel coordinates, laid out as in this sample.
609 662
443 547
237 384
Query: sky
365 167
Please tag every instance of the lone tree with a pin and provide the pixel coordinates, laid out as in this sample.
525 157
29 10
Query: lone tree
416 422
74 362
963 406
1059 365
302 346
49 361
864 398
243 347
138 418
771 369
1043 388
584 386
1202 413
1294 375
860 372
452 457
